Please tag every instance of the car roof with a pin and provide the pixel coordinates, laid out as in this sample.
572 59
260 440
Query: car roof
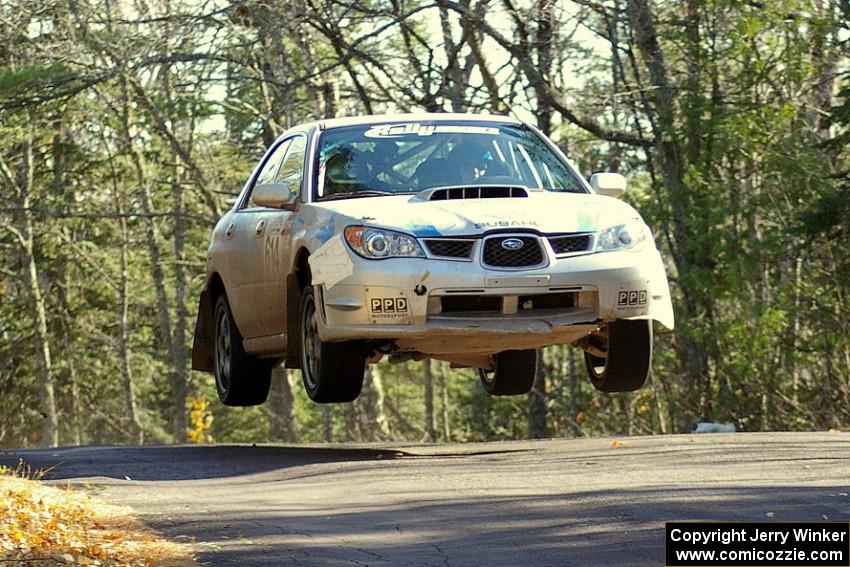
413 117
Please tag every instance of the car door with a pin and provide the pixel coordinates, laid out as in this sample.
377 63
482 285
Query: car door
277 247
244 262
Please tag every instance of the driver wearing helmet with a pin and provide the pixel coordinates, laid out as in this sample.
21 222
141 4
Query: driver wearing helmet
465 162
345 171
350 170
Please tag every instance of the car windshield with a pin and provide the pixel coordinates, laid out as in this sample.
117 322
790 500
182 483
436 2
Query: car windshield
378 159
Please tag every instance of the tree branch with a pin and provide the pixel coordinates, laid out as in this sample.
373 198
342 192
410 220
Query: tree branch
543 87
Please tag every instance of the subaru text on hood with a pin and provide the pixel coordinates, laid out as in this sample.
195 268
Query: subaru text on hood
462 238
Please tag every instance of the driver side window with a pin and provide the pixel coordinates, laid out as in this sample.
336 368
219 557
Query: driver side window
270 169
291 171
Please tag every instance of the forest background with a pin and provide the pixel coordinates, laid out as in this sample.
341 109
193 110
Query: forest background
126 125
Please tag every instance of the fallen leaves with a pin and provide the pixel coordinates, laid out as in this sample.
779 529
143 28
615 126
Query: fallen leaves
42 524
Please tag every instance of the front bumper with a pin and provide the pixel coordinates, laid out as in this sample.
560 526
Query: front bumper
405 299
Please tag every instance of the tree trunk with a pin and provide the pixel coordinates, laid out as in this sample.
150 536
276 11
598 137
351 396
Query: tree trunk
180 366
179 351
482 411
281 408
444 395
178 390
537 427
326 423
428 375
661 407
50 430
490 82
136 433
573 389
50 435
543 43
670 156
372 413
69 377
453 82
349 415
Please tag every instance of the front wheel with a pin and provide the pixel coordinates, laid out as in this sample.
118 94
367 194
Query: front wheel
513 374
240 379
620 356
332 372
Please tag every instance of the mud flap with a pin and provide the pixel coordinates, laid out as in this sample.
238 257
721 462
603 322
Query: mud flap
202 345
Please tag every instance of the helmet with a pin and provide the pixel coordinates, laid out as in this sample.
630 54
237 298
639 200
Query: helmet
466 161
345 170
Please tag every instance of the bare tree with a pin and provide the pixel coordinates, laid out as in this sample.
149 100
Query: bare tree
22 184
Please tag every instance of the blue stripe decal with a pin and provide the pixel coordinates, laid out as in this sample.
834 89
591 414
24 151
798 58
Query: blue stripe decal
425 230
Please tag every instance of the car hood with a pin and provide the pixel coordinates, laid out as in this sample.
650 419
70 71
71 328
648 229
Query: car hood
541 211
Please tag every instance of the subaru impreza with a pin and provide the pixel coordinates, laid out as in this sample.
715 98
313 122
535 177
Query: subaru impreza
464 238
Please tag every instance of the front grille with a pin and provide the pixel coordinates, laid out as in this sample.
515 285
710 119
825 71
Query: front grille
449 248
482 192
570 243
530 254
470 303
547 301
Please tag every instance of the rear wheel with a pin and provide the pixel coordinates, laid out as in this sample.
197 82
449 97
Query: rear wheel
332 372
620 356
240 379
513 373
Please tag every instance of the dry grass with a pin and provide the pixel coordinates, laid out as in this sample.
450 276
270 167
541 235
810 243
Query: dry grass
45 525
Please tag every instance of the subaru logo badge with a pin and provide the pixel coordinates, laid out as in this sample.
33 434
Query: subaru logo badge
512 244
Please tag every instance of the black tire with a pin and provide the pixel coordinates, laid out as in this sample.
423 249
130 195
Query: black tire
240 379
514 373
332 372
629 356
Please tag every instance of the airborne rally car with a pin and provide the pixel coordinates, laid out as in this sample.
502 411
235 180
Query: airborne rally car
462 238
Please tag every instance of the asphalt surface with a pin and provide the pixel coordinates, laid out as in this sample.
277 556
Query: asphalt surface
553 502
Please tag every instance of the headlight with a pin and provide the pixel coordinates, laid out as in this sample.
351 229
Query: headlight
375 243
628 236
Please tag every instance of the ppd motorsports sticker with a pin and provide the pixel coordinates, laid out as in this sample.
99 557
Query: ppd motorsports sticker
389 310
388 305
631 298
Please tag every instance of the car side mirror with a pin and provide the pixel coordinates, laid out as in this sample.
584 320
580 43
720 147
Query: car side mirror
273 195
608 184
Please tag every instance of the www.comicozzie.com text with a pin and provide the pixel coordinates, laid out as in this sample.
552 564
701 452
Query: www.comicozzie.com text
727 536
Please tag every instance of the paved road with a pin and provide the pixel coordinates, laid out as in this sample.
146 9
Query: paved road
554 502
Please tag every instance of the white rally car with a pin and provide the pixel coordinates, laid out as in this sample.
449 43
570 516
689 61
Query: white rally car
463 238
